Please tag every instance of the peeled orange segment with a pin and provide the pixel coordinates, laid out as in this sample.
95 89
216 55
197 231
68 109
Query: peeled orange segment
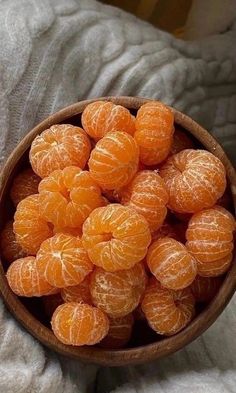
24 184
167 311
63 261
68 196
118 293
147 194
101 117
29 226
181 141
10 249
24 279
171 263
116 237
154 132
114 160
195 180
59 146
78 293
204 289
120 330
79 324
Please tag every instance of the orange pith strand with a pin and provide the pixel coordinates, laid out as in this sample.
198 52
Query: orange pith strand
24 279
78 293
68 196
210 240
181 141
195 180
29 226
79 324
171 263
59 146
118 293
154 132
204 289
10 249
167 311
147 194
101 117
63 261
24 184
114 160
116 237
120 330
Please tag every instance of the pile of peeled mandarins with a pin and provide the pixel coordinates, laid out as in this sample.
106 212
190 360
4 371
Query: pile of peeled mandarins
118 221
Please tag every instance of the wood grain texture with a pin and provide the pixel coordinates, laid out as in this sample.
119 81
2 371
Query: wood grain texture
139 354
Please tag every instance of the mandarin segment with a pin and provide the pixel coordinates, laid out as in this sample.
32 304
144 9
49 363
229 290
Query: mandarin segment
167 311
116 237
101 117
68 196
24 279
147 194
114 160
10 249
79 324
59 146
171 263
29 226
214 268
63 261
78 293
154 132
120 330
24 184
118 293
204 289
195 180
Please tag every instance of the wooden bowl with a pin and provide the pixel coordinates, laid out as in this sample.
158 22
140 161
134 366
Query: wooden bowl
143 349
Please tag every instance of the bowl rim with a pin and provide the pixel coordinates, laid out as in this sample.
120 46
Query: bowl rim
143 353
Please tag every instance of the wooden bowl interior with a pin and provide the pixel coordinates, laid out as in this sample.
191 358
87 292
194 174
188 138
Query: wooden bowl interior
145 344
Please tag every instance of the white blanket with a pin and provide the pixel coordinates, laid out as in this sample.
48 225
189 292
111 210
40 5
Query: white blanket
56 52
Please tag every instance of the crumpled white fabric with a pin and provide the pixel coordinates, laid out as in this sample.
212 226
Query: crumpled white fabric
56 52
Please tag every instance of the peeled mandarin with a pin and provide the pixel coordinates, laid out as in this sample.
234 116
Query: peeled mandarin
10 249
68 196
120 330
195 179
147 194
171 263
154 132
114 160
79 324
118 293
116 237
24 184
204 289
24 279
78 293
29 226
181 141
59 146
167 311
100 117
63 261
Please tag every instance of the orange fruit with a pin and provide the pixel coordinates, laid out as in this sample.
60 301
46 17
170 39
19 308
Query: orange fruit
116 237
166 230
24 279
100 117
204 289
79 324
181 141
171 263
63 261
10 249
210 240
29 227
167 311
50 303
195 180
67 231
154 132
68 196
78 293
120 330
147 194
24 184
118 293
59 146
114 160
